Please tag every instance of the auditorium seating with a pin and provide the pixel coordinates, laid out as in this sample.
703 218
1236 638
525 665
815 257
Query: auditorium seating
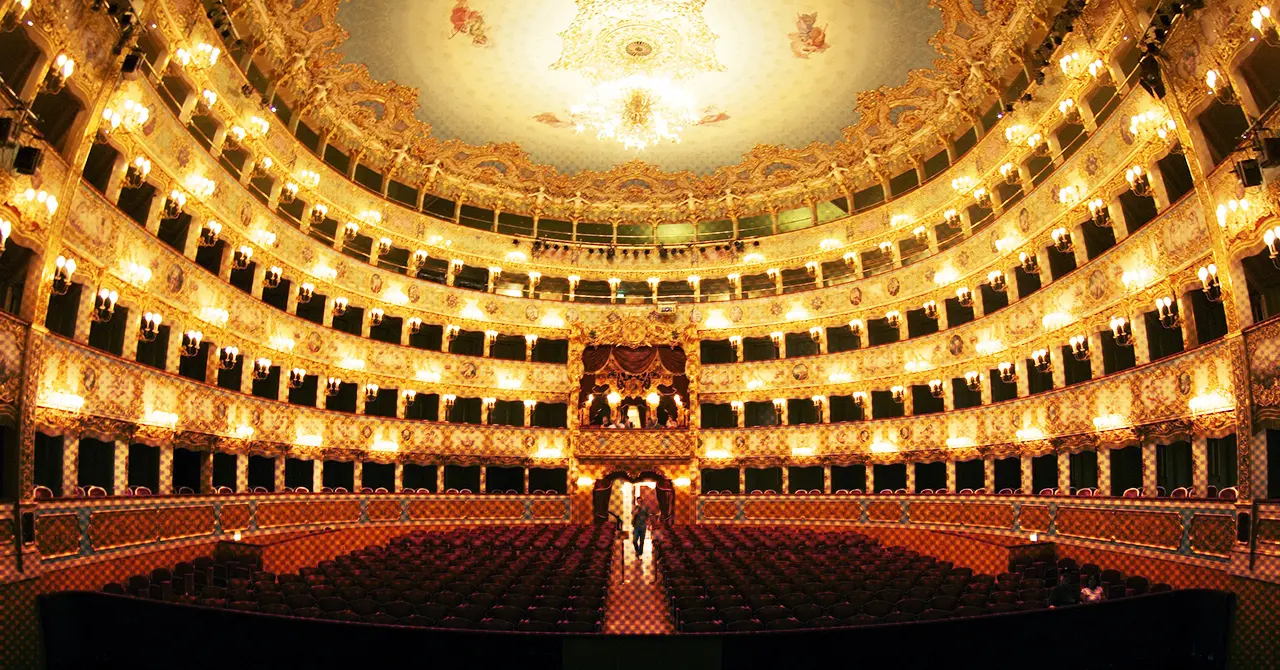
540 578
731 579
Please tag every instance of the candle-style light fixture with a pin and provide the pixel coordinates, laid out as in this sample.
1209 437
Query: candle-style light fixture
893 317
899 394
104 305
241 257
319 212
228 357
997 281
1139 180
271 278
930 308
190 346
936 389
856 327
339 306
332 386
1062 240
305 292
964 296
973 380
1167 309
261 368
149 327
136 174
1041 359
174 205
1099 213
63 269
1008 372
1029 263
1079 347
415 325
297 377
371 392
375 317
1121 331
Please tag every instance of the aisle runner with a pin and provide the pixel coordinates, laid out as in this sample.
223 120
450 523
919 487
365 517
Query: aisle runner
637 603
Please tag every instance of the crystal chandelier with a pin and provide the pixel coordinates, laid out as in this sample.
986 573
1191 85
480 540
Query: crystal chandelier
636 54
638 112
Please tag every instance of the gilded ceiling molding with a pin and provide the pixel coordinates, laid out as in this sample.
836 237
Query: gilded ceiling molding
304 36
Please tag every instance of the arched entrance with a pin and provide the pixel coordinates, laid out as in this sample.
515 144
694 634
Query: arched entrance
663 495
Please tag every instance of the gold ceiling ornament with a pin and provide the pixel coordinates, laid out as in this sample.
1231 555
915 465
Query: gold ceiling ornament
637 53
613 40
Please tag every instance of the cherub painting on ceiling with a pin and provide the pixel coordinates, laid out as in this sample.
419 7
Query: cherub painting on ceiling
470 22
810 38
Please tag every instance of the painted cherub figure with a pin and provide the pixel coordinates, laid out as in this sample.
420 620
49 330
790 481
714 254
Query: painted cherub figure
809 38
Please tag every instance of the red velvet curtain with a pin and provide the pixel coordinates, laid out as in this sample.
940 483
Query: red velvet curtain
633 360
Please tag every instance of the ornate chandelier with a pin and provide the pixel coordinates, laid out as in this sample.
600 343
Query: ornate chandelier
637 112
636 52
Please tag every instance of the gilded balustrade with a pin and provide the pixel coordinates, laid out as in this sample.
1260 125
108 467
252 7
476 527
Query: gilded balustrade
1191 528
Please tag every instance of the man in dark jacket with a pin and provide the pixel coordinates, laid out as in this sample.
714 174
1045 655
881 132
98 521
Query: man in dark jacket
1064 594
639 519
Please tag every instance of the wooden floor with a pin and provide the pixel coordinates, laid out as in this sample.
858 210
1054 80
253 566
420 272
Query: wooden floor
637 602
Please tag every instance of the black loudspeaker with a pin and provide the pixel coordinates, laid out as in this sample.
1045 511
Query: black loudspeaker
131 66
1150 78
1249 172
28 160
1270 151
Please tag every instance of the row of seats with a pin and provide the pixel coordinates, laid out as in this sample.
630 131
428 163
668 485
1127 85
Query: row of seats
1229 493
545 578
45 493
775 578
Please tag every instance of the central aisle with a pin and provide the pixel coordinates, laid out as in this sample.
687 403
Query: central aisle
637 602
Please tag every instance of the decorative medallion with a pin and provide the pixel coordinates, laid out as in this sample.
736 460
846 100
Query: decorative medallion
531 313
740 441
955 345
1024 220
366 432
451 300
1184 383
314 342
571 315
800 372
490 307
528 442
1092 163
855 296
174 279
695 315
864 435
415 293
894 286
816 303
735 313
375 283
468 370
904 433
775 309
406 435
88 379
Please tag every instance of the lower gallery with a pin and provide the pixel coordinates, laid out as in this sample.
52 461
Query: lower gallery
540 334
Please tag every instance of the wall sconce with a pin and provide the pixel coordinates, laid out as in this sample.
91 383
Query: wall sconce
1167 309
384 246
209 234
1039 146
415 325
332 386
228 357
1261 22
339 306
901 220
1062 240
59 72
531 341
893 317
818 401
1079 347
137 172
1010 173
1069 110
1121 331
1073 65
448 399
573 285
860 398
319 212
983 197
936 389
375 317
418 261
921 235
262 167
772 273
735 280
235 137
534 278
694 281
973 380
736 406
856 327
1151 122
173 205
850 258
258 126
261 368
816 333
370 392
149 327
1069 195
1210 283
240 257
1008 372
200 186
997 281
409 396
963 185
931 309
190 346
271 278
1221 88
104 305
350 231
1099 213
899 394
1016 134
296 377
1139 180
613 398
1029 263
305 293
1042 361
779 404
1269 238
886 248
490 336
63 268
776 336
952 217
18 12
288 193
964 296
735 343
451 331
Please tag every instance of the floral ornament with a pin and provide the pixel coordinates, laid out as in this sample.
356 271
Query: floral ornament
415 293
490 308
451 301
1092 163
775 309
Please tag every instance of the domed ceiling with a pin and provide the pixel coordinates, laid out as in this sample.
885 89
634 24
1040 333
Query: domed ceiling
777 103
790 70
